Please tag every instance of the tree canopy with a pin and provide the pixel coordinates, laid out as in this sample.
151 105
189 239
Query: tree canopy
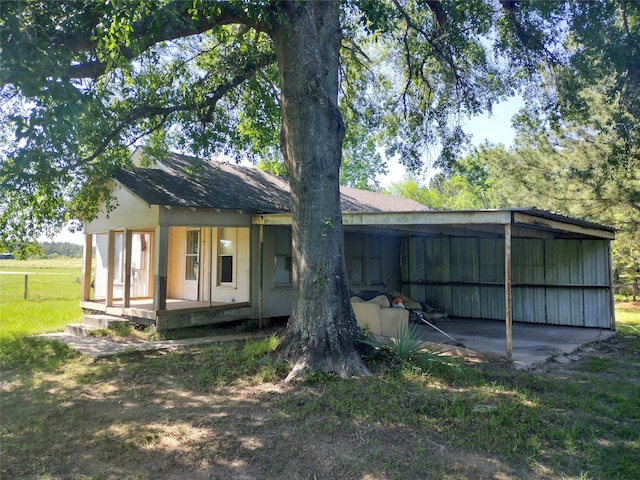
83 81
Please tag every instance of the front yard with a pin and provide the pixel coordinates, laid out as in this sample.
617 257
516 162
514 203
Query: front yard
218 412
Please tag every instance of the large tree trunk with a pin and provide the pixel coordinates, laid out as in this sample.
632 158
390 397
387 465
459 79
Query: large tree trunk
322 332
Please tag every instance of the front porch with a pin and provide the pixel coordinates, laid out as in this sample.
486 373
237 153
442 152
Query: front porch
169 277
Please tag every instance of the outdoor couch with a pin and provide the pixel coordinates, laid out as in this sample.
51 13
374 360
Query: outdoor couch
379 317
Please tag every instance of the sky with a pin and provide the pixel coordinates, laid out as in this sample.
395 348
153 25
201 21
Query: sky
495 128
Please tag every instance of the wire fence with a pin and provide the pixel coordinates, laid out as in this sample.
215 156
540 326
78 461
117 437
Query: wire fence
39 287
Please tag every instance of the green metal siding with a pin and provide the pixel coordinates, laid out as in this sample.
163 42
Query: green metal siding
555 281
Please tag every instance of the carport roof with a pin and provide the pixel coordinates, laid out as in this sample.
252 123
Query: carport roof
529 222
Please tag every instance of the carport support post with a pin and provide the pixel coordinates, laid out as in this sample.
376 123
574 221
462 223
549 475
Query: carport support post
612 299
507 285
260 287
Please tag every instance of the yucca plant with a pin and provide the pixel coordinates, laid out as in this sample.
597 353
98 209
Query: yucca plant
406 347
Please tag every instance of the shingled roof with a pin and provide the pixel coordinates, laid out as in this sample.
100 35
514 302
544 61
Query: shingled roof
193 182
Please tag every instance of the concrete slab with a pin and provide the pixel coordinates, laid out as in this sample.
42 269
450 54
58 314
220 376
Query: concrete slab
531 343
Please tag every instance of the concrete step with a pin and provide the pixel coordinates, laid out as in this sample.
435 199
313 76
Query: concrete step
92 322
100 320
79 329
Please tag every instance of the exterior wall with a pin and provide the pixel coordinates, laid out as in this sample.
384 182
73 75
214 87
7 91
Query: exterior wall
130 213
555 281
101 257
237 292
276 298
175 262
372 263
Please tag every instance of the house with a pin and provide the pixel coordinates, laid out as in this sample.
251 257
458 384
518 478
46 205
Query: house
194 242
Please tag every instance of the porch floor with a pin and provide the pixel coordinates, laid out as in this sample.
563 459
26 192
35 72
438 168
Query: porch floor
143 307
174 304
531 343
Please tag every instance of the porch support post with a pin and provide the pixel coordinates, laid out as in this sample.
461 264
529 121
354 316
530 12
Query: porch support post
507 286
86 267
161 255
126 295
110 268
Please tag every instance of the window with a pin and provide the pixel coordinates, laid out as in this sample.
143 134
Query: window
192 255
357 270
355 256
375 263
282 273
226 254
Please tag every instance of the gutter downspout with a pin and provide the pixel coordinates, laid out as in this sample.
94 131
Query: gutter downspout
210 267
612 300
260 283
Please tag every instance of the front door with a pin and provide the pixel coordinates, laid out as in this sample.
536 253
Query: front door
192 265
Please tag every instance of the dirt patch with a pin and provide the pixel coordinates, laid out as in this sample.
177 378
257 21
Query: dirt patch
630 305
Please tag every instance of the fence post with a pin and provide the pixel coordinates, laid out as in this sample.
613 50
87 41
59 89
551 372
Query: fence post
26 286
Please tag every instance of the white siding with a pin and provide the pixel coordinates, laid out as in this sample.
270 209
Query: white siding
131 213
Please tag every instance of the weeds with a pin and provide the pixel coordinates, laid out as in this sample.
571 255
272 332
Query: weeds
120 330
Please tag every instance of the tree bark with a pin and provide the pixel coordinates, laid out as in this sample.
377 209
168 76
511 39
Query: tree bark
322 331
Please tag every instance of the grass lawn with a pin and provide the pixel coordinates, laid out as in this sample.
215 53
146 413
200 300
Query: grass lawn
53 295
628 319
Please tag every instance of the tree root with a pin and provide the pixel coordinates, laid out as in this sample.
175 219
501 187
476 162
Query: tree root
332 355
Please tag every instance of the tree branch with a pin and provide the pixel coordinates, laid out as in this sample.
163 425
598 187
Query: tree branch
441 19
172 21
436 7
249 70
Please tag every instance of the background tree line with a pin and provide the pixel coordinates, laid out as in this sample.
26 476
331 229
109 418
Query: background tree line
51 250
